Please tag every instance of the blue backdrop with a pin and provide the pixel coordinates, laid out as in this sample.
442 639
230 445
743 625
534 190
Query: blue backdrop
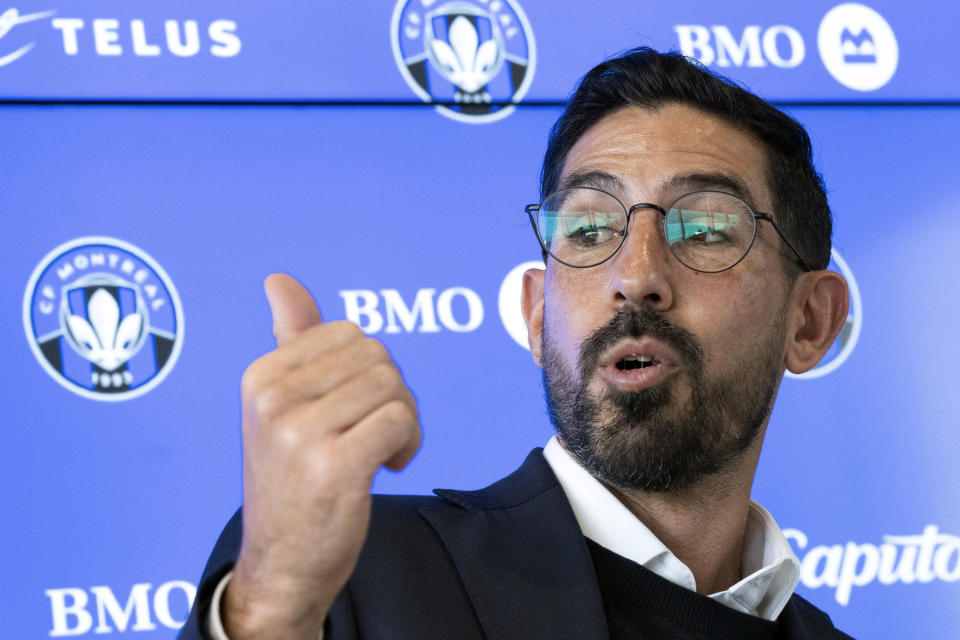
308 150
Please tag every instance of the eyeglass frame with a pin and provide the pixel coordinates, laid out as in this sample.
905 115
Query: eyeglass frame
532 209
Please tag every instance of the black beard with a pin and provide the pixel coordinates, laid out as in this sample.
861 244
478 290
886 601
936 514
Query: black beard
643 439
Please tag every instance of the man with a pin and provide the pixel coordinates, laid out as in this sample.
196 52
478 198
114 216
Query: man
685 234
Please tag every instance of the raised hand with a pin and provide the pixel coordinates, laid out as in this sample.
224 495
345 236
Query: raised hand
321 414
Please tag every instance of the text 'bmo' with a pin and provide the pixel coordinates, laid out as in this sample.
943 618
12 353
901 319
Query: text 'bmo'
779 45
456 309
72 615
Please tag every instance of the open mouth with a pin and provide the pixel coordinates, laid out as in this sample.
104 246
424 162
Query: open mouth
637 364
634 361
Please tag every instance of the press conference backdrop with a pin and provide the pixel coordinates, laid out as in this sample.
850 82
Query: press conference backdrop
159 159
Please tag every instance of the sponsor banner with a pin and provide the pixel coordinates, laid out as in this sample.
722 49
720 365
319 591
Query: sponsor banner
79 611
899 559
103 318
474 58
412 224
842 569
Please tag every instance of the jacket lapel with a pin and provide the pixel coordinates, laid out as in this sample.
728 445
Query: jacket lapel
522 557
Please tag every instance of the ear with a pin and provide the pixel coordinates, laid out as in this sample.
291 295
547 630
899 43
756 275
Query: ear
531 303
819 310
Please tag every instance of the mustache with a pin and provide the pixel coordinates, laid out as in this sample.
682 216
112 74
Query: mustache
639 322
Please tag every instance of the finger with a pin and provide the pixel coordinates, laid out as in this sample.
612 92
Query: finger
293 382
351 401
294 309
409 449
318 342
390 436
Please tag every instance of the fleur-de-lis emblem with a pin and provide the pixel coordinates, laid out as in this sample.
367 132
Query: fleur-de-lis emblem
464 60
104 338
472 59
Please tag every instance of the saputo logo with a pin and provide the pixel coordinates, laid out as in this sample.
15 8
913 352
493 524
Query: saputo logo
113 37
904 559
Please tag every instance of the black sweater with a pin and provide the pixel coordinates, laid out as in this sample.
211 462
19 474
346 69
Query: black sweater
641 605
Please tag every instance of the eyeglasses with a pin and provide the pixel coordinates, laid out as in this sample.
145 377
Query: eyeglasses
708 231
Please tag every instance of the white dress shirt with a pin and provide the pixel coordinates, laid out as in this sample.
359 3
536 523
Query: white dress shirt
770 567
768 563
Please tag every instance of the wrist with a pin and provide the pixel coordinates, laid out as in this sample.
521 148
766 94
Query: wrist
250 613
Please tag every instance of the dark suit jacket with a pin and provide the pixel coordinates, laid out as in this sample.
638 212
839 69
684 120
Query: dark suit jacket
505 562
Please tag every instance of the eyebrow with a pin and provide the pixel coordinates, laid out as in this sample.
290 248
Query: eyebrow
689 182
596 179
679 185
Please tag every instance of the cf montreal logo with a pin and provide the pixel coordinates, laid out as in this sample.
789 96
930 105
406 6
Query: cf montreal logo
475 58
857 47
103 318
10 19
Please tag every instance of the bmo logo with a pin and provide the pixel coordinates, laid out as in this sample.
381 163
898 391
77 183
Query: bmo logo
76 611
856 45
779 45
457 309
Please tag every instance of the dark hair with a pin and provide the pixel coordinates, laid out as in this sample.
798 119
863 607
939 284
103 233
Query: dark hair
650 79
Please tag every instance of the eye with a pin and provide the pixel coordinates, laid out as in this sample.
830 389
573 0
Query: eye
591 228
581 225
700 228
709 236
591 235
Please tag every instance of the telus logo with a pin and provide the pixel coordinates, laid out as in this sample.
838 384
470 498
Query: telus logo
10 19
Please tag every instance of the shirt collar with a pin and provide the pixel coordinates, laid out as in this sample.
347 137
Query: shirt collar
770 567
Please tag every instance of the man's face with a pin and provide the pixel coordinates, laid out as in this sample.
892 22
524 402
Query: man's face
657 375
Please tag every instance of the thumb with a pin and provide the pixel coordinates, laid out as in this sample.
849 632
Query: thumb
293 308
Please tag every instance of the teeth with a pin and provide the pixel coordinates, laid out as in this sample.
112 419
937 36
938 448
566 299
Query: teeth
638 358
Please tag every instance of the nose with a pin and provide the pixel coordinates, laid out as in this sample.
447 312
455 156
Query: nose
641 271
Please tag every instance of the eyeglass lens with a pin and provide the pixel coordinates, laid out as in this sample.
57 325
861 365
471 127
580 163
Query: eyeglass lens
707 230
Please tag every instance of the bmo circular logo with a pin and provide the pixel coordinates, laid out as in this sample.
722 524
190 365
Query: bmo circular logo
474 57
858 47
103 318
